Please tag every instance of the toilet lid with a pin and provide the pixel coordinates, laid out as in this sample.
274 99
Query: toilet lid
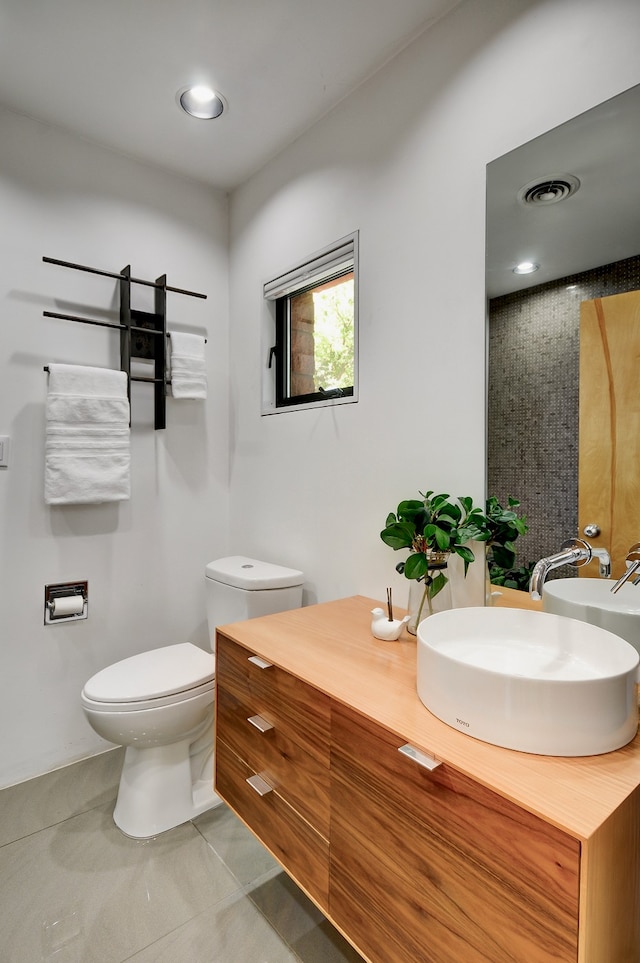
150 675
251 575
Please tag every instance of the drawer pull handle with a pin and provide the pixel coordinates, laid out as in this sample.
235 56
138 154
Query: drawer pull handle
260 724
259 662
428 762
260 785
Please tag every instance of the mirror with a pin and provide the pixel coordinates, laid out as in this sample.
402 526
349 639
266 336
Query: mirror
569 202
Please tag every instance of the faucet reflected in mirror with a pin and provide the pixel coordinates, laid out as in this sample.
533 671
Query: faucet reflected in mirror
604 559
569 452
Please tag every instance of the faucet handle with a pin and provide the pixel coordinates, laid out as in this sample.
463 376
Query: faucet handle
633 557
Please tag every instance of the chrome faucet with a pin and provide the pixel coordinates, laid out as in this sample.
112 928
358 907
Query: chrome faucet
633 559
574 552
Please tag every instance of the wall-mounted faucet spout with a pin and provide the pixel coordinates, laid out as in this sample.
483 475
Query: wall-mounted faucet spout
633 564
574 552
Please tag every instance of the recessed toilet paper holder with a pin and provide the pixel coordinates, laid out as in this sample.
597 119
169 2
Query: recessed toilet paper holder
66 602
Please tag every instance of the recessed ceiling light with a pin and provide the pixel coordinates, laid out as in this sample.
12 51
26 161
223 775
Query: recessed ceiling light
201 102
526 267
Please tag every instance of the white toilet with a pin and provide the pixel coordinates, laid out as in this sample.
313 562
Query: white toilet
159 704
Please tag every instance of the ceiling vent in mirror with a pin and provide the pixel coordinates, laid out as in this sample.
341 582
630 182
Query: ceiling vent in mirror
549 190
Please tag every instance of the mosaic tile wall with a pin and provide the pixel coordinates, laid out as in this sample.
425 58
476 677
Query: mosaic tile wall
533 400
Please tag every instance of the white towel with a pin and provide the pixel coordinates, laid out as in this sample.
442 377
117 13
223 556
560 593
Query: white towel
87 454
188 375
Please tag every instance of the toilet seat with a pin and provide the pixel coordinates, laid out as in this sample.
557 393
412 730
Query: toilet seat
150 679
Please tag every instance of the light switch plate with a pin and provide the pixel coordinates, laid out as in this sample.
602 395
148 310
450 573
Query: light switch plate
5 444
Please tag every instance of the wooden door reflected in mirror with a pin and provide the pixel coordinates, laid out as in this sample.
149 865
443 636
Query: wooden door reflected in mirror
609 449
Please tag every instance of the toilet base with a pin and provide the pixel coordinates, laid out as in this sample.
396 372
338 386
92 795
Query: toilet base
156 791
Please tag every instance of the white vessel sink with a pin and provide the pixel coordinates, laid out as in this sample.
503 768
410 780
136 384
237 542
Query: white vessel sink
530 681
591 600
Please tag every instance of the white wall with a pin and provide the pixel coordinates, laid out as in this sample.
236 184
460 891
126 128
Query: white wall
402 160
144 559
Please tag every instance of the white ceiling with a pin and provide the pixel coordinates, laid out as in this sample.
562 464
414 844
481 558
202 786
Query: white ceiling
109 70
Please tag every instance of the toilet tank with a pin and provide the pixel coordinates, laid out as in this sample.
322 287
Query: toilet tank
239 588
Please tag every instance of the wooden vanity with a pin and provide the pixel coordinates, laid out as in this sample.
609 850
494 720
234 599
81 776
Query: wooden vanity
494 856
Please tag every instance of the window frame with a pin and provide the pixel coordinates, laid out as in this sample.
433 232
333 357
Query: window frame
335 261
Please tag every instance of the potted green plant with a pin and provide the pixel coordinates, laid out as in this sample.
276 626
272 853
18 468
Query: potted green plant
433 527
505 526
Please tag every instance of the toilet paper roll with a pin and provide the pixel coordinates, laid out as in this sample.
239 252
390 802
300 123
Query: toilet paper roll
67 605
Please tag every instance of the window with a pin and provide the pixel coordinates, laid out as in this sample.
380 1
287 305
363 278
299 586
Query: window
314 315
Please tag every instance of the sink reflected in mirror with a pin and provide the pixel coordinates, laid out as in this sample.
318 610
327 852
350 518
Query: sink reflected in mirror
531 681
591 600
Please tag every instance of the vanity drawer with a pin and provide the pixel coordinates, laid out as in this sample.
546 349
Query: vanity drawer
481 880
301 850
300 712
297 776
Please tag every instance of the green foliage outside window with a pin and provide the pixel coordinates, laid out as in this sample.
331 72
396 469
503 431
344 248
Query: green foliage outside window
333 335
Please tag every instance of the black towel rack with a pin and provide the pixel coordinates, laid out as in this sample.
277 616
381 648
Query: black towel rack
149 329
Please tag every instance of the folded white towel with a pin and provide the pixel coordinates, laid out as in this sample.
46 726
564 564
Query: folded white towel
87 454
188 373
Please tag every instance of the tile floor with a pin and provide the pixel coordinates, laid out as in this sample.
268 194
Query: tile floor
73 889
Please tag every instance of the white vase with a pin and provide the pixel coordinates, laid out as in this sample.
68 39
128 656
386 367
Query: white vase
469 590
